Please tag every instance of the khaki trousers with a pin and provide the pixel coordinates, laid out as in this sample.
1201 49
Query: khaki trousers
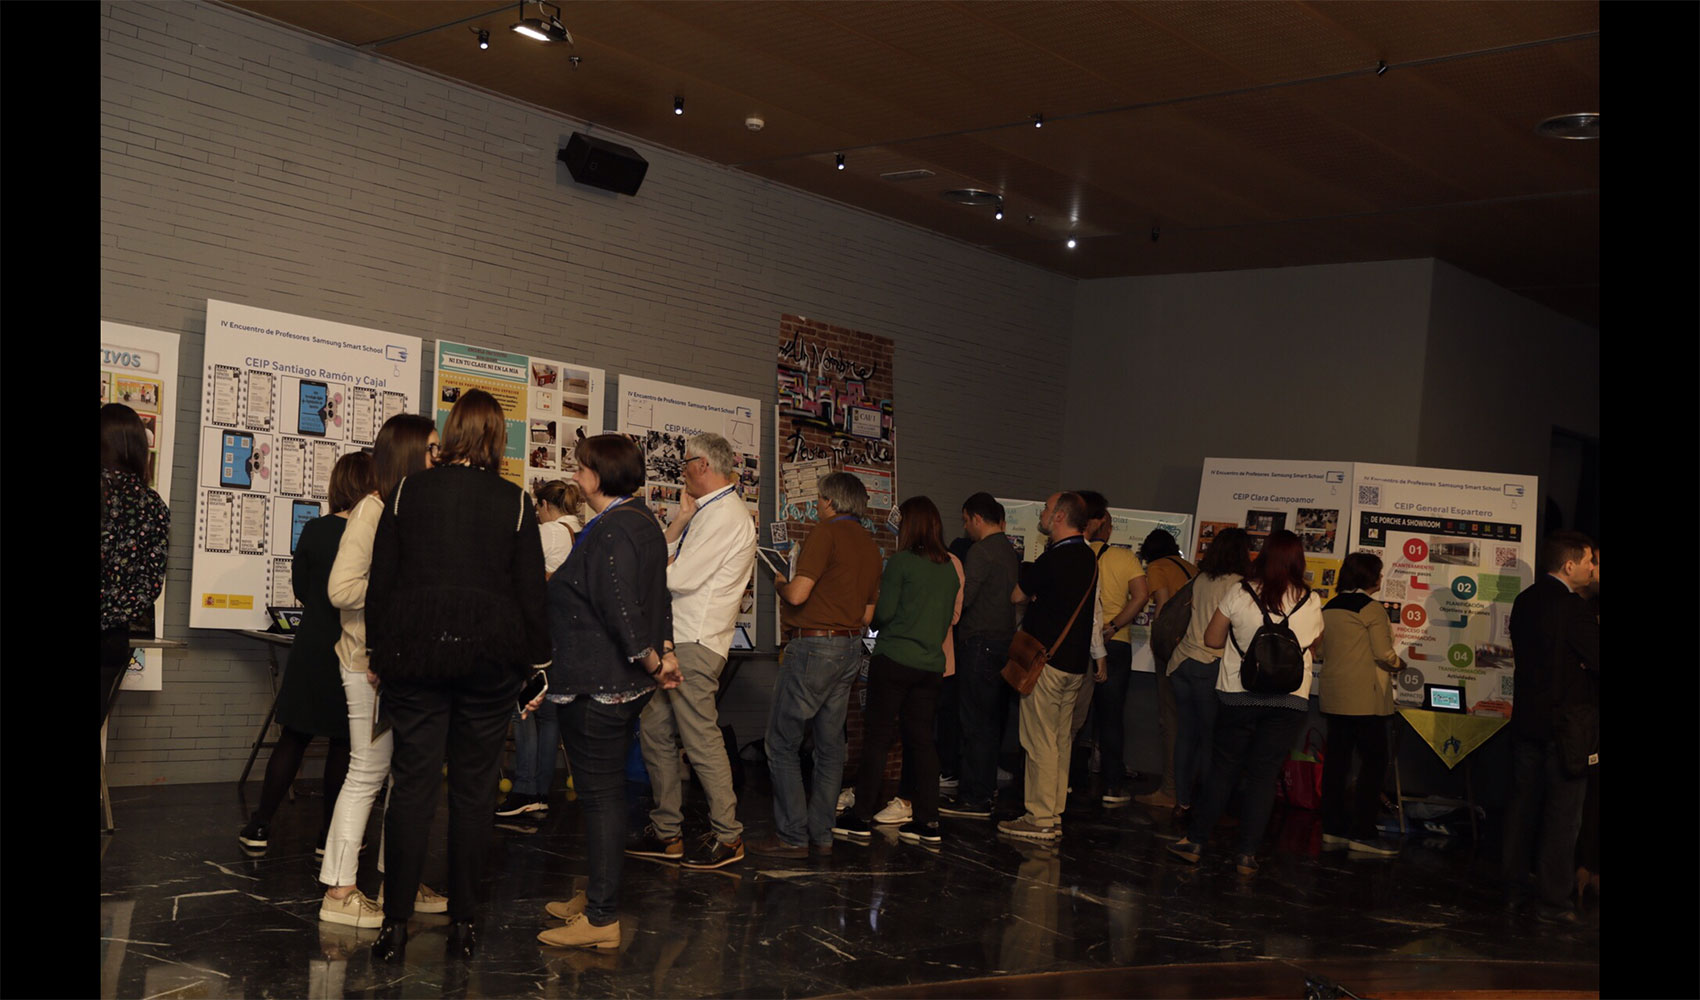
1046 731
687 716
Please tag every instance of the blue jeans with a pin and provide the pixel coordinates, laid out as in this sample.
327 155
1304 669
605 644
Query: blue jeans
983 703
1194 684
598 739
811 694
1109 701
536 740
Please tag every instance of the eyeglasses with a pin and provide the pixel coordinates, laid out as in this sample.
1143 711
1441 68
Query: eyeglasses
432 450
694 458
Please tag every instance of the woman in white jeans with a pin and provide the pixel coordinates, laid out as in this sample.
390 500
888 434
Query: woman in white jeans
406 444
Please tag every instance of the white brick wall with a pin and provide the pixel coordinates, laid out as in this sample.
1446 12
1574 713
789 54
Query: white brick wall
244 161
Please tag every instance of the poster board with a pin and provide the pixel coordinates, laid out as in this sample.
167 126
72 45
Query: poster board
548 406
1456 549
1310 499
282 398
660 417
138 368
834 414
1128 528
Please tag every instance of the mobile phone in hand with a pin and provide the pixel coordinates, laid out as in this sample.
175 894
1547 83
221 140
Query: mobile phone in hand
535 685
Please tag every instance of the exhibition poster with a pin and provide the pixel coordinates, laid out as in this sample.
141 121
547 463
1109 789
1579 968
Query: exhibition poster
1310 499
1456 549
282 398
548 406
1128 528
834 415
660 417
139 369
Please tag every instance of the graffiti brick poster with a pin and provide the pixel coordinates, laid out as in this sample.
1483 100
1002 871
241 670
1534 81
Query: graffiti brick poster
1128 528
1456 548
834 415
548 406
661 417
282 398
139 369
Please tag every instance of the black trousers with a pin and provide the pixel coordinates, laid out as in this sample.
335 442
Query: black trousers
466 721
896 691
114 660
1365 735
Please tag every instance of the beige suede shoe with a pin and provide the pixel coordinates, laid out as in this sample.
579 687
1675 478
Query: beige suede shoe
579 932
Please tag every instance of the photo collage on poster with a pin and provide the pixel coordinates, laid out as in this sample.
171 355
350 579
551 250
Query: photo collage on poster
548 405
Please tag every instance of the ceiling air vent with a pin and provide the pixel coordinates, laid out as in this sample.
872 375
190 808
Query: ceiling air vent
906 175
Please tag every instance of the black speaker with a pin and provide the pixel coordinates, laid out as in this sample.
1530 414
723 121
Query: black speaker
603 164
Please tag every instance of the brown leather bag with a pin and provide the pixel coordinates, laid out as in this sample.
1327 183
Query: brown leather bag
1028 656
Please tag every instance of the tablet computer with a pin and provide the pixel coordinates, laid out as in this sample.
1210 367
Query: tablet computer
286 621
1444 698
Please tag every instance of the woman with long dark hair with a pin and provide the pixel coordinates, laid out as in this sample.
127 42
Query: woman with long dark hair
135 526
455 623
309 702
611 619
406 444
1254 731
1194 666
920 598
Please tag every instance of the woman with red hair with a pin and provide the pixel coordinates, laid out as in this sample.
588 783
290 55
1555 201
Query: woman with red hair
1254 729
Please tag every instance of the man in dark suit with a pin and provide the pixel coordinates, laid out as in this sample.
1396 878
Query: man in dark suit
1556 643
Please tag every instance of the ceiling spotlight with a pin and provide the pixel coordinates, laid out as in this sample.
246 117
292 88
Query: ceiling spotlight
483 38
545 27
841 161
678 105
1071 243
1038 120
1381 67
998 215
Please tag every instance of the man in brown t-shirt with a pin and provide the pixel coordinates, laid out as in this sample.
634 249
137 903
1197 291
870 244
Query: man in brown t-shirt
825 606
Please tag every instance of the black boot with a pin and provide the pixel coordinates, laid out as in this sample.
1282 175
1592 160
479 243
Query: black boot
391 945
463 940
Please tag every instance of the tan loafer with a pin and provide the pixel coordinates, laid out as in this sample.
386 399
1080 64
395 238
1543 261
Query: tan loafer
579 932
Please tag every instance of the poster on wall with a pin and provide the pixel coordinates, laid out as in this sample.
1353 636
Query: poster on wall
1128 528
1456 549
834 414
548 406
660 418
138 368
282 398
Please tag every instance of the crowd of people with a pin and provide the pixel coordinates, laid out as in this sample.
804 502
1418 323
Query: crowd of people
444 604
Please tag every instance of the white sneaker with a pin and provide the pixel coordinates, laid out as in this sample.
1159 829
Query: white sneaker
948 784
895 811
846 799
354 909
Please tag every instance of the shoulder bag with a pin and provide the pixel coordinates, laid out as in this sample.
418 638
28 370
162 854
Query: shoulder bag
1028 656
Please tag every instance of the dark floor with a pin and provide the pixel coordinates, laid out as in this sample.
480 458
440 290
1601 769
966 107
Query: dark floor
185 912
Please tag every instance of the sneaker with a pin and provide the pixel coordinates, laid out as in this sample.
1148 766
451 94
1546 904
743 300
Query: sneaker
1379 848
354 909
1157 798
711 853
1186 850
917 833
1028 830
846 799
650 844
848 824
947 783
1246 864
255 835
773 847
1333 843
426 900
568 909
579 932
516 803
1116 795
896 811
966 810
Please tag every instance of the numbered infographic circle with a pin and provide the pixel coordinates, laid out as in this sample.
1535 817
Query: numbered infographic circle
1460 656
1464 588
1413 616
1416 550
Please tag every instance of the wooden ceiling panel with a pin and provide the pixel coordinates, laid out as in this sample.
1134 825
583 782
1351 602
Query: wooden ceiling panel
1265 42
1403 32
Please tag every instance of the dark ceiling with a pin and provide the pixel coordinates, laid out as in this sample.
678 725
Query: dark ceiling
1177 137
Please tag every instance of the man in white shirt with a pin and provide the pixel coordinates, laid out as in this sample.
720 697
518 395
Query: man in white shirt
714 540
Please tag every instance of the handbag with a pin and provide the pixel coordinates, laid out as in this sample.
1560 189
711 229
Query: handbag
1028 656
1300 781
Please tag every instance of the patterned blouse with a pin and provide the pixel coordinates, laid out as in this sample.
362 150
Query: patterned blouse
134 528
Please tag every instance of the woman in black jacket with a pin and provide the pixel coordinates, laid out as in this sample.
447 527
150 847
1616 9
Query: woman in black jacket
454 622
611 618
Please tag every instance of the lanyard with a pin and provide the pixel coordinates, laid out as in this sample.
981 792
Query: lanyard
604 511
723 494
1076 540
842 517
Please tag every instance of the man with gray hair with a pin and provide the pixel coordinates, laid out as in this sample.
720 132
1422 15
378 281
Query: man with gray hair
714 539
825 607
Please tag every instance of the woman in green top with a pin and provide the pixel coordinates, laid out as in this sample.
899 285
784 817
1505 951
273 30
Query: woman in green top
920 599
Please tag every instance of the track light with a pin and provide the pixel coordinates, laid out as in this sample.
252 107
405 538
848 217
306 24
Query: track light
543 28
841 161
1380 67
483 38
678 105
998 214
1071 243
1038 120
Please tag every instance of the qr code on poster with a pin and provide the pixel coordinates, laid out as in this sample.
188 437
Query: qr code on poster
1369 496
1505 555
1392 590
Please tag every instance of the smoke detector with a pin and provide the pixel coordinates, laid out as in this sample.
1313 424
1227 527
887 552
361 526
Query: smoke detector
753 123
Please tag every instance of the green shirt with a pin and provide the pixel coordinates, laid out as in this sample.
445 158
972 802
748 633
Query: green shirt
916 603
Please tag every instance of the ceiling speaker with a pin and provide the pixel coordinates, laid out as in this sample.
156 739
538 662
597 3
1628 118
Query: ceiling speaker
603 164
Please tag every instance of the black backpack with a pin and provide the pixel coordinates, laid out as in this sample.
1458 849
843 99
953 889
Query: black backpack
1273 662
1171 623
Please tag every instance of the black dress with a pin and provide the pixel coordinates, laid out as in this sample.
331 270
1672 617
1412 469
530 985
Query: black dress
310 699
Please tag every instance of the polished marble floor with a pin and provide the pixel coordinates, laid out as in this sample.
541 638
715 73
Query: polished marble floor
186 912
